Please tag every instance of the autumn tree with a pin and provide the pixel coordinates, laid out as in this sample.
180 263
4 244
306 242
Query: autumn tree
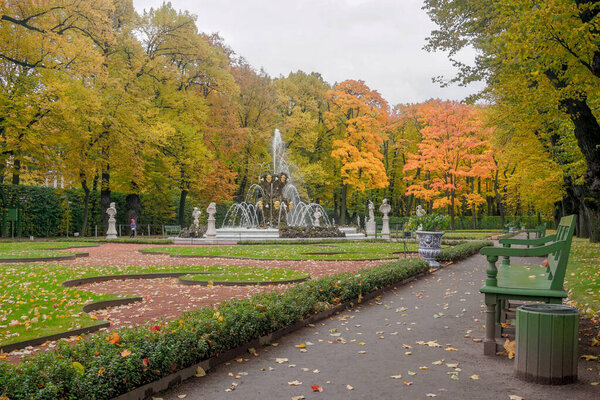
301 106
543 55
357 116
453 152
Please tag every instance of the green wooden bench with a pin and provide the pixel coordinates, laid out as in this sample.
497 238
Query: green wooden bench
540 231
171 229
529 283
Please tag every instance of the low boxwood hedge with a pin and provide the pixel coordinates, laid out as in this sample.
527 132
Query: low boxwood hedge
105 365
462 250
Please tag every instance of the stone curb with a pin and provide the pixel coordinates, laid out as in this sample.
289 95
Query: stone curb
59 258
220 283
268 259
171 380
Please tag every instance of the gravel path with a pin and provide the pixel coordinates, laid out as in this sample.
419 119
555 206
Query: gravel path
419 341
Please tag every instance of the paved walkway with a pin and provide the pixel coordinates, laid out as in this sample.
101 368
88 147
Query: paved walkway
379 351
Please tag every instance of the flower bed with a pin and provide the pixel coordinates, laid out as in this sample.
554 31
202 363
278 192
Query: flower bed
105 366
310 232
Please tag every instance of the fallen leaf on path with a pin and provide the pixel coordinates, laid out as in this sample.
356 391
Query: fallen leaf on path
349 387
431 395
515 397
316 388
281 360
509 346
181 396
200 372
399 376
298 397
474 377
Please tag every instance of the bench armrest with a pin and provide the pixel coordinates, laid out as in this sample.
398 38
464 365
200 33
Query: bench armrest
522 252
538 241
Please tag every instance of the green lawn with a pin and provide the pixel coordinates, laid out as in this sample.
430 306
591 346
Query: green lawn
583 275
331 251
33 302
27 250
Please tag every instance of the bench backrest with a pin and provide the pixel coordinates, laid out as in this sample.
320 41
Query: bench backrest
557 261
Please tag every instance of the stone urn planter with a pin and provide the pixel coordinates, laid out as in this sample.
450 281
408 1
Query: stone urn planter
430 245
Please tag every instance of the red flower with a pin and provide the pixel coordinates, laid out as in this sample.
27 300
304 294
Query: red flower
155 328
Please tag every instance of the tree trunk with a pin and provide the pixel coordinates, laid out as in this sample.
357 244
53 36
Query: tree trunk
132 204
452 210
182 199
86 207
16 177
105 197
343 205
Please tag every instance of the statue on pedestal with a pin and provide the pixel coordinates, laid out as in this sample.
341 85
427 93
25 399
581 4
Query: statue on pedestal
385 209
211 230
111 233
370 225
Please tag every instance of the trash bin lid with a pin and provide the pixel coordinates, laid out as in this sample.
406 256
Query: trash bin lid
549 309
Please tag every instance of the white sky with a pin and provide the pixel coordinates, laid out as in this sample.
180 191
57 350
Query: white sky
378 41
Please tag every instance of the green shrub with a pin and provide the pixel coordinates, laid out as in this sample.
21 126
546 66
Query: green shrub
462 251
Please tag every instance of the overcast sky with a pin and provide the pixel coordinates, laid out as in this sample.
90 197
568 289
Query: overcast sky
378 41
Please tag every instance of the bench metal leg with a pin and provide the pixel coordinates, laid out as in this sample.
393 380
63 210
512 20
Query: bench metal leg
489 343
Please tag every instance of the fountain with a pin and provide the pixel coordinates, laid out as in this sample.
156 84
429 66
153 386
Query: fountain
271 202
275 199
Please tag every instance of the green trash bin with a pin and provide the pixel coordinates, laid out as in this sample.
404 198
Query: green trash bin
546 349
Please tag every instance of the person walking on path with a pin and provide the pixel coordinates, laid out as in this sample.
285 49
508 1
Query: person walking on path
132 228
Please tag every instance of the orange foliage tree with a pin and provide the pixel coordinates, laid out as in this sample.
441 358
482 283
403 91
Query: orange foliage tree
357 115
453 153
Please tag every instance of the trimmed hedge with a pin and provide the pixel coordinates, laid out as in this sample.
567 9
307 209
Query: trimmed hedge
97 368
462 250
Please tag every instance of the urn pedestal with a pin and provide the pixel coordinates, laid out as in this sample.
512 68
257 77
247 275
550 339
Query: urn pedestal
430 246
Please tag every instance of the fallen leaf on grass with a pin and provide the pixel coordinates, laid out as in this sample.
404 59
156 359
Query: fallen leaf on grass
125 353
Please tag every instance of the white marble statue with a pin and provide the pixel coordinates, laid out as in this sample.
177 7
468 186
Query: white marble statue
371 211
111 233
370 225
196 215
385 209
420 213
211 230
357 221
317 218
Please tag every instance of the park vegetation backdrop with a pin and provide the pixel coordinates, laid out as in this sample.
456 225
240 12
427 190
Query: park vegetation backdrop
149 110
